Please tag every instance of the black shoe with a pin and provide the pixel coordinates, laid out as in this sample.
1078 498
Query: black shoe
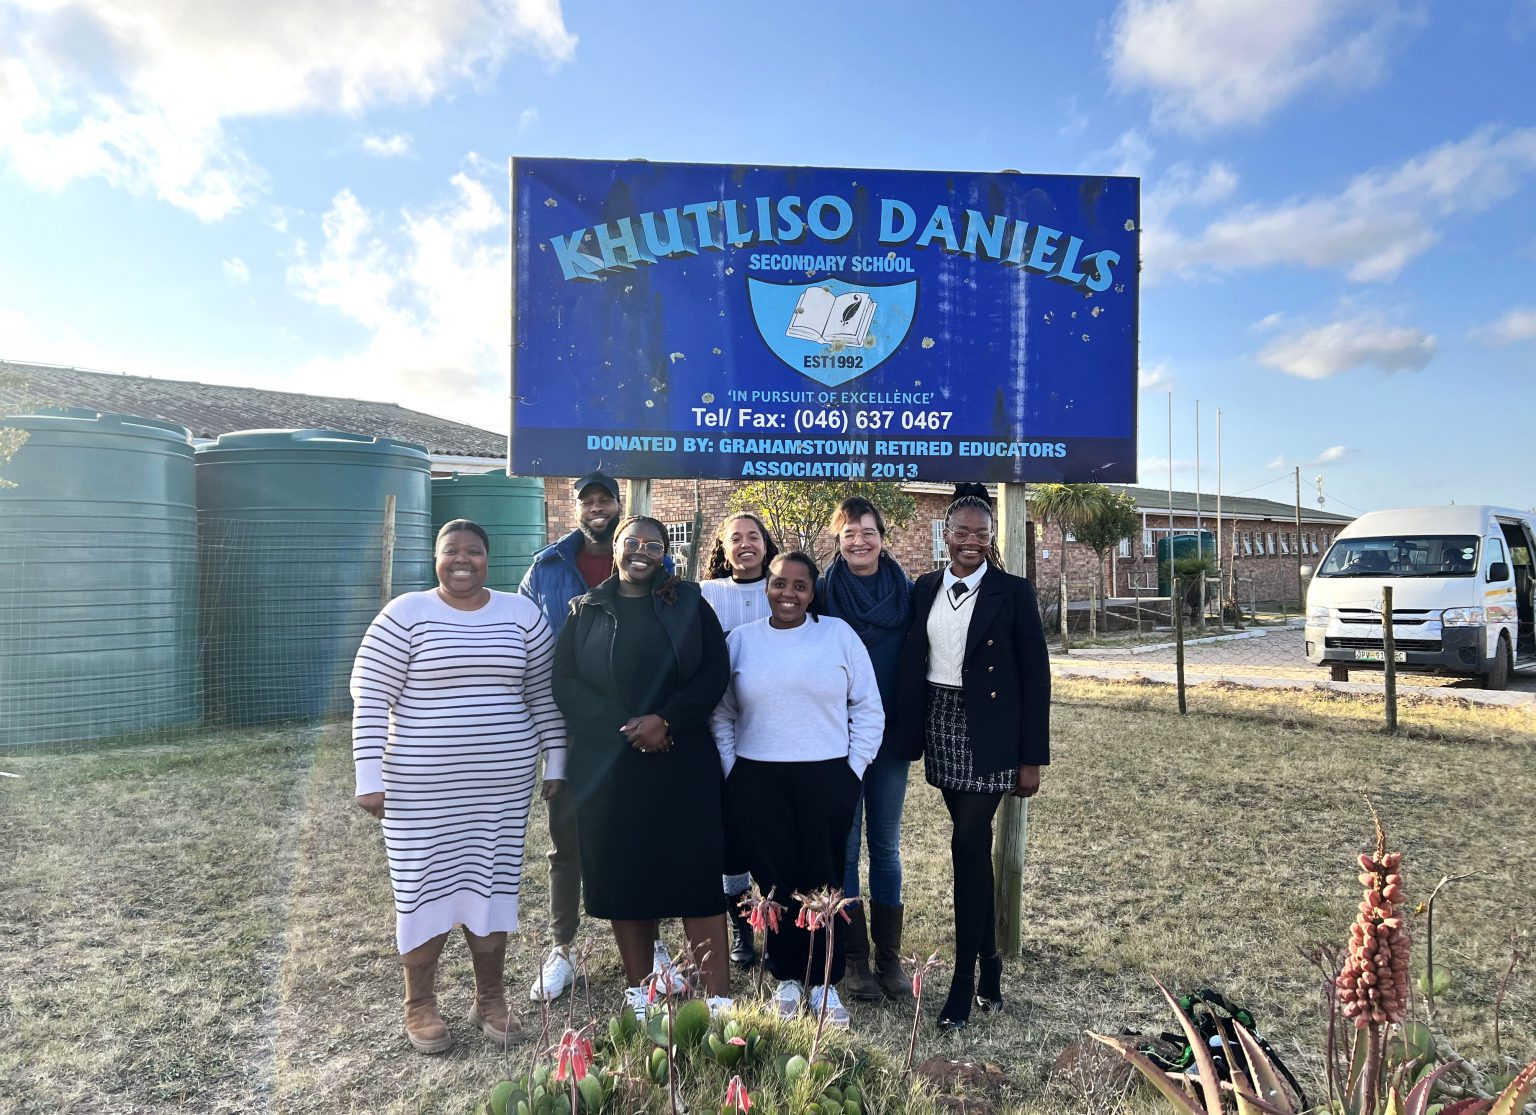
743 946
989 989
957 1007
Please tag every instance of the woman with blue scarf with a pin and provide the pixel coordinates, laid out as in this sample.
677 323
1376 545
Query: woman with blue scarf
867 589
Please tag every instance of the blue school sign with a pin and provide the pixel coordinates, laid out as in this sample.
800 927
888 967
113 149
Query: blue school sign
688 320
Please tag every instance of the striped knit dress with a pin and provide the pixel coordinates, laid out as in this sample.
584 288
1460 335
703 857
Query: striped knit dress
451 711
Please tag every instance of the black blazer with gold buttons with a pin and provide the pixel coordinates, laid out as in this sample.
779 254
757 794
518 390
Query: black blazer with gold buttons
1006 677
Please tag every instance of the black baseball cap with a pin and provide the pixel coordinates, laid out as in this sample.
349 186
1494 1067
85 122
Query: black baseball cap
601 479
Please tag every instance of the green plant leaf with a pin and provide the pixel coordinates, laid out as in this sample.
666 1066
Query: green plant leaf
1418 1099
1262 1069
1417 1039
1520 1090
1442 982
1207 1068
1171 1091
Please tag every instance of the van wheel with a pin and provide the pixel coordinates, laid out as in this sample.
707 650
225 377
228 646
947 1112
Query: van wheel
1497 676
1338 673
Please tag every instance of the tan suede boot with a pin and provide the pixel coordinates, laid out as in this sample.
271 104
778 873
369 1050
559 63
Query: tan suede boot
858 983
885 927
490 1012
424 1026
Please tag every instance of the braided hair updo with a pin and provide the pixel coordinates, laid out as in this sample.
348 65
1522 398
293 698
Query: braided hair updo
977 496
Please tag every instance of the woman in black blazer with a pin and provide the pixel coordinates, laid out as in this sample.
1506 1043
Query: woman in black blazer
975 699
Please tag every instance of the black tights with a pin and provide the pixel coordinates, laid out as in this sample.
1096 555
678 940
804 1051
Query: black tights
970 853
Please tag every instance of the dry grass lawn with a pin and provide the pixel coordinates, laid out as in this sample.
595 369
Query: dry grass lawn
205 926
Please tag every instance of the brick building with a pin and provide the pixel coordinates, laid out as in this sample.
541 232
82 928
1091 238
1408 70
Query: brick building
1258 535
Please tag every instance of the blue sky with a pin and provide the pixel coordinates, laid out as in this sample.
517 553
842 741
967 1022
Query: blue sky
1339 196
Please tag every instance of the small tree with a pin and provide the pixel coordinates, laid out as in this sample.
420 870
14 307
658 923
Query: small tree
13 400
798 511
1115 519
1069 506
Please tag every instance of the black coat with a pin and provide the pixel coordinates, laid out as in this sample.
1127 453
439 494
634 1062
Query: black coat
1006 677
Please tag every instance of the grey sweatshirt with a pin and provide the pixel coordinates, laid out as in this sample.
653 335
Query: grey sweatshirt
799 695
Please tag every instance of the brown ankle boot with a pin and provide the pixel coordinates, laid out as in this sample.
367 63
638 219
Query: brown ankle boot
490 1013
885 928
423 1024
858 983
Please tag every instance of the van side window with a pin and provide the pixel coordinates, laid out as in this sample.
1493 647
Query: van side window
1494 550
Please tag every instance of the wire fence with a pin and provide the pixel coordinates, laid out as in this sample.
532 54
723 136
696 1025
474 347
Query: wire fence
1203 630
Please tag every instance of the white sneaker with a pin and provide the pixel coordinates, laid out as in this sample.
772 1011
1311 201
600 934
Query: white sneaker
788 997
554 978
661 960
718 1005
634 999
837 1014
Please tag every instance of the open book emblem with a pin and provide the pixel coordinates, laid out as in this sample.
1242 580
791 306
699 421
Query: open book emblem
832 331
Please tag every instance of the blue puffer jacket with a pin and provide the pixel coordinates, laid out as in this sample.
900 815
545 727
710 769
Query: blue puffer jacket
554 579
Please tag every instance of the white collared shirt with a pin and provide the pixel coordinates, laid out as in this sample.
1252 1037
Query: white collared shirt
948 622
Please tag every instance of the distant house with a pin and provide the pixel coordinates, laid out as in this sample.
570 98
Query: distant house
209 410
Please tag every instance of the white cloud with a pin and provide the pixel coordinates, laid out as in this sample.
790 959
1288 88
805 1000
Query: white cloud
1130 154
139 92
1268 322
1213 64
1342 346
430 289
26 340
1519 324
392 146
527 119
1328 456
1370 230
1275 464
1157 377
236 271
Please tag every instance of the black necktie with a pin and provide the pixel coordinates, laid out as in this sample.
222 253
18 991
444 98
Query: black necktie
959 588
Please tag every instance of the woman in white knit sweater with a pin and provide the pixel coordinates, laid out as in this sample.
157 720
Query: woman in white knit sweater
799 723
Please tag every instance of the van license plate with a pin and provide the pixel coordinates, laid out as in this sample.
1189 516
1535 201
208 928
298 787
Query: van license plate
1380 656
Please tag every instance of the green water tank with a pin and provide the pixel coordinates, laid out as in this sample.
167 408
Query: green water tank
510 508
98 578
1185 545
291 529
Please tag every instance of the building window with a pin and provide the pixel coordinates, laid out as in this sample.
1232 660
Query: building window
680 534
1125 547
1247 543
1269 547
1285 542
1068 536
1146 542
939 552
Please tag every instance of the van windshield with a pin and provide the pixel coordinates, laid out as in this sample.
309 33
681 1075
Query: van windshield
1433 555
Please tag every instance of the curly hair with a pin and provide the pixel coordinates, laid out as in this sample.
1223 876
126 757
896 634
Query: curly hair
814 608
977 496
665 589
718 566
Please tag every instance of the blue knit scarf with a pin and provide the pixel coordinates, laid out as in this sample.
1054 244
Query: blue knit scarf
870 606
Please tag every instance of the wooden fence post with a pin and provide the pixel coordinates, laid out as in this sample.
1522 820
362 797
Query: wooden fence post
1389 658
387 558
1008 844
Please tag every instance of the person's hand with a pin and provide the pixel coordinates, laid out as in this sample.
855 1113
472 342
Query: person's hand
1027 782
551 787
372 803
647 733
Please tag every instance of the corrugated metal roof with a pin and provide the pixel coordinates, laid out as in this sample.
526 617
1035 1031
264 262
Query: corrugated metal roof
209 410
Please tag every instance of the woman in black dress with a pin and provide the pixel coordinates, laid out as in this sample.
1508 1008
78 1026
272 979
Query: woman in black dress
975 700
639 667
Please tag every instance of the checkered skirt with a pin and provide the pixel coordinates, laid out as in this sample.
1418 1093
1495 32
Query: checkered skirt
947 758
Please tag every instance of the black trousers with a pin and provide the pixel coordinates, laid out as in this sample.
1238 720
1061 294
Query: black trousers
791 822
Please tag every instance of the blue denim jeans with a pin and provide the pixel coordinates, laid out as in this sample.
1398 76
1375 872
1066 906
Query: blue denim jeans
884 793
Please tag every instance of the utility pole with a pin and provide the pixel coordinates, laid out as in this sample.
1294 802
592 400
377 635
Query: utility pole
1301 588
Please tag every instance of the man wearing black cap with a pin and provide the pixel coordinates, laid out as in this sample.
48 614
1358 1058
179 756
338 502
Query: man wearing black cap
561 572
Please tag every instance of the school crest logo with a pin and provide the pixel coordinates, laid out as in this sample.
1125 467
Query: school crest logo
832 331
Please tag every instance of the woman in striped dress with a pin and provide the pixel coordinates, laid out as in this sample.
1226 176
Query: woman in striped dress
452 709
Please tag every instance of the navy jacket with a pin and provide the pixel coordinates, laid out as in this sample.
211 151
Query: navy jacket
1006 677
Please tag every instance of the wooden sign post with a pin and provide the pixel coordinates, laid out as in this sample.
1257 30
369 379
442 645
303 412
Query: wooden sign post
1013 818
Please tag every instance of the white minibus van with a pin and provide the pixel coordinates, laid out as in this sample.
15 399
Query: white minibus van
1462 593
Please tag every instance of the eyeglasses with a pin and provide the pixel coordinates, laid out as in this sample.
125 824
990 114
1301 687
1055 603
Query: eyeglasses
961 535
655 549
859 535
